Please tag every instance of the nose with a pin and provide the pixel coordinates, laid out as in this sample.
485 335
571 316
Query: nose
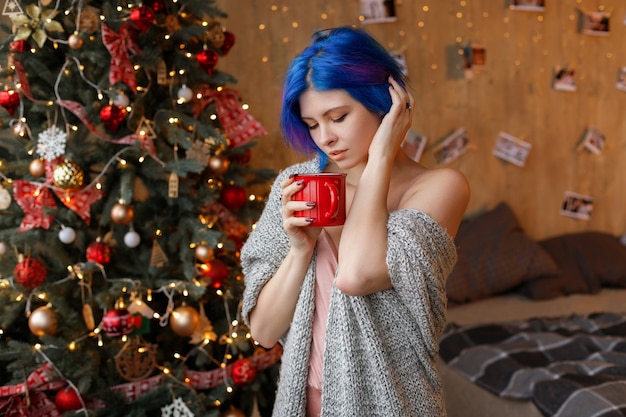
327 136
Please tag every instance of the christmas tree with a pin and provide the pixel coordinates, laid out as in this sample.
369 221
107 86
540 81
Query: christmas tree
124 178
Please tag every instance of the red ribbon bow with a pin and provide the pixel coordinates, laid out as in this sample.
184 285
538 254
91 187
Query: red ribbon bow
239 125
118 46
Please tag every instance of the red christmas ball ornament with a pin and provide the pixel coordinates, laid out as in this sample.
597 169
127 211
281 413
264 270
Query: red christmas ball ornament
18 46
229 41
142 17
9 99
233 196
112 116
207 60
67 399
243 371
118 322
99 252
30 272
214 270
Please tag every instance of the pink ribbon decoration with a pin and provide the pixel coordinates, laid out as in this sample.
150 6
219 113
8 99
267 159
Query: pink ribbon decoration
239 125
118 46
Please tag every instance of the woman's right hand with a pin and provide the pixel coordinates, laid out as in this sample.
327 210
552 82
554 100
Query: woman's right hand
298 229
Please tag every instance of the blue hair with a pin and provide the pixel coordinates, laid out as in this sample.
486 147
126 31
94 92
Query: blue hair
344 58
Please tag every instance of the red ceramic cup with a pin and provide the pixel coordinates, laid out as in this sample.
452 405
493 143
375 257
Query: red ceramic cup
328 191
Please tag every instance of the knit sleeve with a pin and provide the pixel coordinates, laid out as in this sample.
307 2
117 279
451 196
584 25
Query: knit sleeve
264 250
420 256
267 245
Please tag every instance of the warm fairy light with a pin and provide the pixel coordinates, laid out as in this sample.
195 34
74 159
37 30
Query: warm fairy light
177 355
213 116
72 346
166 371
229 389
37 346
185 293
98 186
42 296
459 15
261 26
294 25
156 315
219 292
20 297
248 336
233 335
324 16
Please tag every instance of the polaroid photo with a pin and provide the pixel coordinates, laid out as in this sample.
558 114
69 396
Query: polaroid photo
621 79
595 23
511 149
414 144
593 140
452 146
401 60
377 11
576 206
564 79
528 5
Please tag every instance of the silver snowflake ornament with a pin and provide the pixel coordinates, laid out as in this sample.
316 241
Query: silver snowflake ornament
51 143
176 409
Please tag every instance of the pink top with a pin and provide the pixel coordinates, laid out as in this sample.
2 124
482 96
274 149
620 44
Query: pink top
325 267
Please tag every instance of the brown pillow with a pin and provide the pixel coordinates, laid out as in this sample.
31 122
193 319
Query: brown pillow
495 256
588 261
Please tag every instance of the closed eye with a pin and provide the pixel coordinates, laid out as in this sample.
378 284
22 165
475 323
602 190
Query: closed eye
340 118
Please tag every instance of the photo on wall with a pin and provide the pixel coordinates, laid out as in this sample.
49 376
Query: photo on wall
451 147
511 149
576 205
564 78
528 5
593 141
595 23
474 58
377 11
414 144
621 79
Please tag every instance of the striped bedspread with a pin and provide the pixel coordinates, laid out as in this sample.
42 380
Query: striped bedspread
567 366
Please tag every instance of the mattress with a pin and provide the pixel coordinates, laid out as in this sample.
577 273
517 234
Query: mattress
462 397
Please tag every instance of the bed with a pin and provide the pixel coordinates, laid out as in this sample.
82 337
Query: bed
536 328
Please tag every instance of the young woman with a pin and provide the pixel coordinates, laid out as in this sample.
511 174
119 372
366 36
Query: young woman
358 308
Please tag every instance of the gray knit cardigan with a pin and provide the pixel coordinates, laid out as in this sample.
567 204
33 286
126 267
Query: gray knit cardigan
380 355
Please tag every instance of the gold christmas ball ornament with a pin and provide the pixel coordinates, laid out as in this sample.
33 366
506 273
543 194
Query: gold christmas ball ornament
122 213
43 322
75 41
233 412
204 253
20 130
219 164
37 167
184 320
68 176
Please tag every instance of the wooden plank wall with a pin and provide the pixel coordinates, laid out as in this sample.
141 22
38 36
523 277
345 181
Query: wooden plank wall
513 93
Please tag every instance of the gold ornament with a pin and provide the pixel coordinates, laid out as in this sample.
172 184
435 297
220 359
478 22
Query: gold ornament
136 360
122 213
68 176
216 35
233 412
184 320
219 164
89 21
20 130
75 41
43 322
204 253
90 323
37 167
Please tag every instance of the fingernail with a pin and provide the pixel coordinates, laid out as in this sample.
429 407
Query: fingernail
300 182
310 219
310 204
292 175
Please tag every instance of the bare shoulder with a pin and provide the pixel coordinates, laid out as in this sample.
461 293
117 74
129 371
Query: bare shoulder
442 193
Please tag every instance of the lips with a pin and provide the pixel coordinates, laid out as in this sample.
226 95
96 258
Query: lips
337 155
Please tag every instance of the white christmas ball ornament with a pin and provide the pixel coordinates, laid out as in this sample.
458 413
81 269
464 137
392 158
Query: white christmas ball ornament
67 234
3 248
121 100
132 239
185 94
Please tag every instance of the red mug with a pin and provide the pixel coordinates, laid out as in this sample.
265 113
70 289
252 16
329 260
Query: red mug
328 191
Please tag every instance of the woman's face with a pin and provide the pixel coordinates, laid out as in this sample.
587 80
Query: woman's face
339 125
